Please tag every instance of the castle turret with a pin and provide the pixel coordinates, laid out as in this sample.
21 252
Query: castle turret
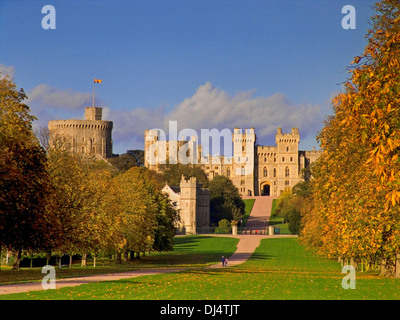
93 113
287 160
243 160
188 204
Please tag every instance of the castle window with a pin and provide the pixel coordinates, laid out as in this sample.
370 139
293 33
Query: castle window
83 150
287 172
242 182
242 171
265 172
287 148
291 159
274 172
283 159
274 159
286 182
265 159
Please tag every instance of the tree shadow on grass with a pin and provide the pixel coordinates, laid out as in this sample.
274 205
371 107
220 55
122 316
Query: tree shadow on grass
188 242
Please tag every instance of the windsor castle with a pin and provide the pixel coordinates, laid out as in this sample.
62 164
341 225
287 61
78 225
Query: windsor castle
255 170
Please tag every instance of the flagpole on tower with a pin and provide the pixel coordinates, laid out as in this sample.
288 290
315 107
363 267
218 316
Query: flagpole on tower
95 81
93 92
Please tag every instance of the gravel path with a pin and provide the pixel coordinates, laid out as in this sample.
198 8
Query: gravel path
245 248
77 281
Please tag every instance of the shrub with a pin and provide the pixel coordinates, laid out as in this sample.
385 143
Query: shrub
224 226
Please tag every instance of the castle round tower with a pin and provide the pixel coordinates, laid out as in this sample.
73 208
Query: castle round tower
89 136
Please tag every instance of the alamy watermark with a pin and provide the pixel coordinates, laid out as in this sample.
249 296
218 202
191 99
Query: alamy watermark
349 20
49 280
173 151
49 20
349 280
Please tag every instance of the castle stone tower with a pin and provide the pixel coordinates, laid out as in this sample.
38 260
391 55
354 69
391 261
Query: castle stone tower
89 136
243 160
287 161
188 204
93 113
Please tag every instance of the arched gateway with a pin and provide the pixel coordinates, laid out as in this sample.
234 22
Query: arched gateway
265 188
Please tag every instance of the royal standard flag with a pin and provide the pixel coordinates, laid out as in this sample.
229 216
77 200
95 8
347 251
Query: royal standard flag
97 81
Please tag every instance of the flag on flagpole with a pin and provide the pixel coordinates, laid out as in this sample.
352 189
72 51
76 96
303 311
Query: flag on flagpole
97 81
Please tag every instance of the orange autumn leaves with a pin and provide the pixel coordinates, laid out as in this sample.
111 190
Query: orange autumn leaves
357 179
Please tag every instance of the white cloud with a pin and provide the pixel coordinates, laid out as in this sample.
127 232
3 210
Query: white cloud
48 96
208 108
6 70
211 107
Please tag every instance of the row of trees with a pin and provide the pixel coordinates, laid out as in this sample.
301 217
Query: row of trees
55 201
356 185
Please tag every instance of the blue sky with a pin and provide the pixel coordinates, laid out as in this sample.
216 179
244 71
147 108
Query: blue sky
205 64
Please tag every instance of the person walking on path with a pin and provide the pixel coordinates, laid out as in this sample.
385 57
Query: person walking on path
223 259
226 262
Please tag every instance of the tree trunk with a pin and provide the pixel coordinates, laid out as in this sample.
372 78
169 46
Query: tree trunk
84 260
397 272
94 261
354 263
70 261
119 258
17 263
48 256
383 267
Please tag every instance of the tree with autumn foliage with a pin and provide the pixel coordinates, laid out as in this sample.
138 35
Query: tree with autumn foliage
356 185
143 219
23 176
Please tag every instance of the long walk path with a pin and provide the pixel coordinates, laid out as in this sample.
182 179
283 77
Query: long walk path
245 248
260 213
77 281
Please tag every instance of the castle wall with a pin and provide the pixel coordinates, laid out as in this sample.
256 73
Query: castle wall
159 151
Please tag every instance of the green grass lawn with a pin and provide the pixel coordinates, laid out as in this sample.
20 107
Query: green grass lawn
247 209
276 221
279 269
189 251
